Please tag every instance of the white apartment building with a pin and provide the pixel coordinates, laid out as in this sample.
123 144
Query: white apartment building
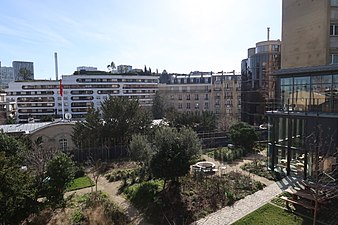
41 98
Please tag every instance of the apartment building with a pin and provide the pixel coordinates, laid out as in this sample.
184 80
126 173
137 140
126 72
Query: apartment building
196 92
6 76
41 99
303 130
18 71
23 70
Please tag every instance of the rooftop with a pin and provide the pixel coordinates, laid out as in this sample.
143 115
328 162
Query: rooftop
306 70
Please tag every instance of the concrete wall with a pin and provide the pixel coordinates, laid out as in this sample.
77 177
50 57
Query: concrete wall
305 33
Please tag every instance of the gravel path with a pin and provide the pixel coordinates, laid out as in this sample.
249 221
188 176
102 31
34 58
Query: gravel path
111 188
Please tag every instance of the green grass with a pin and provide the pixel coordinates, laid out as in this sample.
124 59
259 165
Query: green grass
272 215
79 183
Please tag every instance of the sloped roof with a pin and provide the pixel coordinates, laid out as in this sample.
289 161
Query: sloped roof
23 128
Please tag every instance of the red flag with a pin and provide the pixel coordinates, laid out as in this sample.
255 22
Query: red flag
61 88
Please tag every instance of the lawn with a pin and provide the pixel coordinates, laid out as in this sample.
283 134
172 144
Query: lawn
79 183
272 215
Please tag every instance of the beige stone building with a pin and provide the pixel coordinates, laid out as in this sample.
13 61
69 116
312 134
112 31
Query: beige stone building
218 93
56 134
309 33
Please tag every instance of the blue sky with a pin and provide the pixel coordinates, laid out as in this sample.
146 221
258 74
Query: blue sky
176 35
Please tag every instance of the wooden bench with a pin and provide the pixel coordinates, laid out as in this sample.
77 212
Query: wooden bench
297 202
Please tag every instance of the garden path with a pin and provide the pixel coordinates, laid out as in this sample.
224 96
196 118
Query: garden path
250 203
111 188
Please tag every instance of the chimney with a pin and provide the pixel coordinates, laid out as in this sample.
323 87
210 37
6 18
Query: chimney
56 66
268 33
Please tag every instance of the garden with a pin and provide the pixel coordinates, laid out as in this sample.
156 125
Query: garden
194 197
260 168
226 154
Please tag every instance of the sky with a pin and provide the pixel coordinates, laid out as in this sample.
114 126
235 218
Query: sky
176 35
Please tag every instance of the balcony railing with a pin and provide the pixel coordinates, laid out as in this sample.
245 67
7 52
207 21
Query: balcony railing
314 105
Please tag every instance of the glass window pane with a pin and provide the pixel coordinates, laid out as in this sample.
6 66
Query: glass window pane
335 78
302 80
287 81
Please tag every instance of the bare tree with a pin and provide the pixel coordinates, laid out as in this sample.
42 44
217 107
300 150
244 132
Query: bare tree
37 158
324 168
39 155
97 169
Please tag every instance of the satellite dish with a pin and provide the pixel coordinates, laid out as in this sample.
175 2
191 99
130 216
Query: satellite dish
68 116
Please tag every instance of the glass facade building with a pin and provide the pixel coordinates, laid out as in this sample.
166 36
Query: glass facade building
258 83
303 131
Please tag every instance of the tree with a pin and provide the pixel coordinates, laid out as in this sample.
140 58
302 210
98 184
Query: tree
98 168
140 149
324 174
172 153
11 146
25 74
113 125
199 122
123 117
17 192
37 158
243 135
88 133
111 66
60 173
158 108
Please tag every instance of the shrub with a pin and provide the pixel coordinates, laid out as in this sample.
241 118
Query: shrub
144 193
77 217
79 171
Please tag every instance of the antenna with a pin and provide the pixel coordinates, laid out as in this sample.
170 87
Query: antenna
56 66
268 33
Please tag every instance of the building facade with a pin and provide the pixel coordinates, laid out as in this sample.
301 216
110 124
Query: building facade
6 76
303 130
306 124
258 84
18 71
307 43
41 99
197 92
57 135
23 70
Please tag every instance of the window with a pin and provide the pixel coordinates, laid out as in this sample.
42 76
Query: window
63 144
334 2
180 105
188 96
334 29
206 105
206 97
334 58
179 97
196 96
188 105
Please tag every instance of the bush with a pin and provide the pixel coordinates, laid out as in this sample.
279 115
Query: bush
79 171
144 193
77 217
122 174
